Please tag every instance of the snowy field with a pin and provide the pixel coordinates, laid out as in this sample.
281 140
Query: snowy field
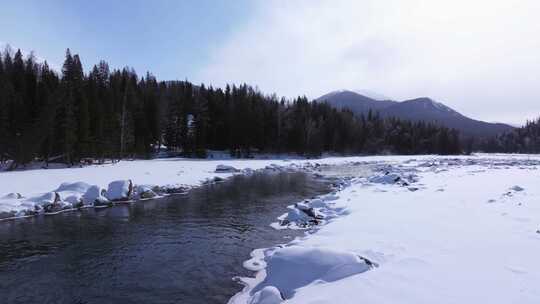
411 229
459 230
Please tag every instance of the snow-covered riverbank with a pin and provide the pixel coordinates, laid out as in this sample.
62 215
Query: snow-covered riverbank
421 230
411 229
24 192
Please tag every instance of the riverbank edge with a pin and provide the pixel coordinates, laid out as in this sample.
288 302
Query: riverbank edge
161 191
256 262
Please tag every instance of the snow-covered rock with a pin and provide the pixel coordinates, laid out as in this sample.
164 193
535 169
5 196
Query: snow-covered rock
82 194
329 197
171 189
388 178
517 188
273 167
45 198
309 210
267 295
293 267
72 193
145 191
295 218
226 169
393 178
218 179
49 202
120 190
94 196
317 203
309 213
78 187
12 196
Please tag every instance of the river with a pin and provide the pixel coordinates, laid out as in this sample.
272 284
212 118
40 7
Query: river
178 249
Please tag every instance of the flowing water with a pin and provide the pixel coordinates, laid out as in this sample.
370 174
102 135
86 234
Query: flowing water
179 249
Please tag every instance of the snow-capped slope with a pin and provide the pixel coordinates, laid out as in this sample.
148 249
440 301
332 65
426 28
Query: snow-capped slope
426 109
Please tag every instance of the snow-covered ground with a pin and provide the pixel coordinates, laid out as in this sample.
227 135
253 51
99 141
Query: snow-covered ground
424 230
22 192
398 229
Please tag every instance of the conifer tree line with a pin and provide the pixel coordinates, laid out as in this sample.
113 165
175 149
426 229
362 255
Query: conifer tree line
71 116
520 140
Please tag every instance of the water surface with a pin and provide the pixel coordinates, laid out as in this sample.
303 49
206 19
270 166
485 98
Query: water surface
179 249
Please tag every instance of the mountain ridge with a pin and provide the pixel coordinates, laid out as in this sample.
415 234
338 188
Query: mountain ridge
416 109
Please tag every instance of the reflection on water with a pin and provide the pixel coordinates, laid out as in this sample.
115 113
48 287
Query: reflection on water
180 249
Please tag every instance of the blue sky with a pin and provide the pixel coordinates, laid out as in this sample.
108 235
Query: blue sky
172 39
479 57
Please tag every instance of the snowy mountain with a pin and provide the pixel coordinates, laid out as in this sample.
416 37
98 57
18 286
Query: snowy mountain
355 102
372 95
419 109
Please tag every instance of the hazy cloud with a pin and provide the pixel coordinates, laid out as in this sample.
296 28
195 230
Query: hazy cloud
479 57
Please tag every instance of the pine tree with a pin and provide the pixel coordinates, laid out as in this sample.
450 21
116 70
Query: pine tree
81 110
4 122
66 116
200 124
114 114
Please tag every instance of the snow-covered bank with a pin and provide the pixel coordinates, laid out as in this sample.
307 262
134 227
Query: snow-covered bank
21 191
31 191
411 229
421 230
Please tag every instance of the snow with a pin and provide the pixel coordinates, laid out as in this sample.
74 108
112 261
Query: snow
145 191
386 178
309 213
21 191
73 193
293 267
168 176
294 219
517 188
466 234
119 190
12 196
475 241
95 196
225 169
267 295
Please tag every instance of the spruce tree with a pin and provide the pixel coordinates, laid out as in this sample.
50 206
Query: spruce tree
114 114
67 116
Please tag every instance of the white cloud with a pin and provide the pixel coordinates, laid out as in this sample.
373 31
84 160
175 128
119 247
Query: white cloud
480 57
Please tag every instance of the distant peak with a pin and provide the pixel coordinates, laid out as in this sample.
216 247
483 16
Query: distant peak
373 95
429 102
364 93
423 99
336 92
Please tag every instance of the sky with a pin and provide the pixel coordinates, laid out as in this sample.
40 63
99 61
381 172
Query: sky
481 58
